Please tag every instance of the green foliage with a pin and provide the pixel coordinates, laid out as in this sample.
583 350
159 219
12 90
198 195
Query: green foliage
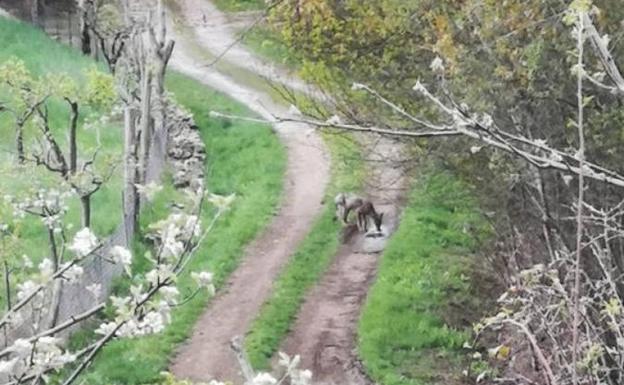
417 314
309 262
233 150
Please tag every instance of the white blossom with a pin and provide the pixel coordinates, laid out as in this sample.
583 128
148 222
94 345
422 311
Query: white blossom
95 289
293 110
170 293
122 256
106 328
419 87
6 367
46 270
221 202
149 190
487 121
25 289
334 120
263 379
203 279
73 273
84 242
137 293
160 274
437 65
300 377
21 348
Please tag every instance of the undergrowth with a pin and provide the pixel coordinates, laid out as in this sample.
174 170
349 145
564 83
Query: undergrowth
419 311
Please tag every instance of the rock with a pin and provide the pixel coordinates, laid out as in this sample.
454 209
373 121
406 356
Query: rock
186 152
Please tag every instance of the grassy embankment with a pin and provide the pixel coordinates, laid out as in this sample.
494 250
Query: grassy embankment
418 312
42 56
233 149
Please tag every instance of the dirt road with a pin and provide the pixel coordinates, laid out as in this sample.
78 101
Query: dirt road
207 355
325 331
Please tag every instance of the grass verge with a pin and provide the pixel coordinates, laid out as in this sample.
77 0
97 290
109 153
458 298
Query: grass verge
309 262
240 5
234 150
266 42
419 310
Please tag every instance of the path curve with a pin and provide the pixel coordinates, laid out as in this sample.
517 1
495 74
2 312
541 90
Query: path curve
207 355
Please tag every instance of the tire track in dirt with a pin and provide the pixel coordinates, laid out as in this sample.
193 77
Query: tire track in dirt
325 332
207 354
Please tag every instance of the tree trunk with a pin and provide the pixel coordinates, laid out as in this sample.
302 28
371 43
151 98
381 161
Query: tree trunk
73 147
35 12
19 144
146 134
55 303
85 203
7 285
53 250
56 292
85 36
130 198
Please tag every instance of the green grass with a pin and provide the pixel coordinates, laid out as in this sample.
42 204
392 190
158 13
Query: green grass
243 158
42 56
309 262
414 321
240 5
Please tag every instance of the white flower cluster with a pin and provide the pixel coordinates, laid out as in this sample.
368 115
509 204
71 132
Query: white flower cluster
35 358
129 322
174 233
221 202
49 204
123 257
204 280
149 190
84 243
291 370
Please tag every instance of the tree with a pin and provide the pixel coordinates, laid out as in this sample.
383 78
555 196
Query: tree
495 78
27 96
35 95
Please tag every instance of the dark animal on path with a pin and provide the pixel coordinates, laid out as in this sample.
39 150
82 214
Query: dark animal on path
366 211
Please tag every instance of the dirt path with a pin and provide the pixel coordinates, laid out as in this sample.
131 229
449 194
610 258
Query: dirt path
207 355
324 334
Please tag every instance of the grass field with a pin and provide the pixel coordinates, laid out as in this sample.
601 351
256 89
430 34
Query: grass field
415 319
309 262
